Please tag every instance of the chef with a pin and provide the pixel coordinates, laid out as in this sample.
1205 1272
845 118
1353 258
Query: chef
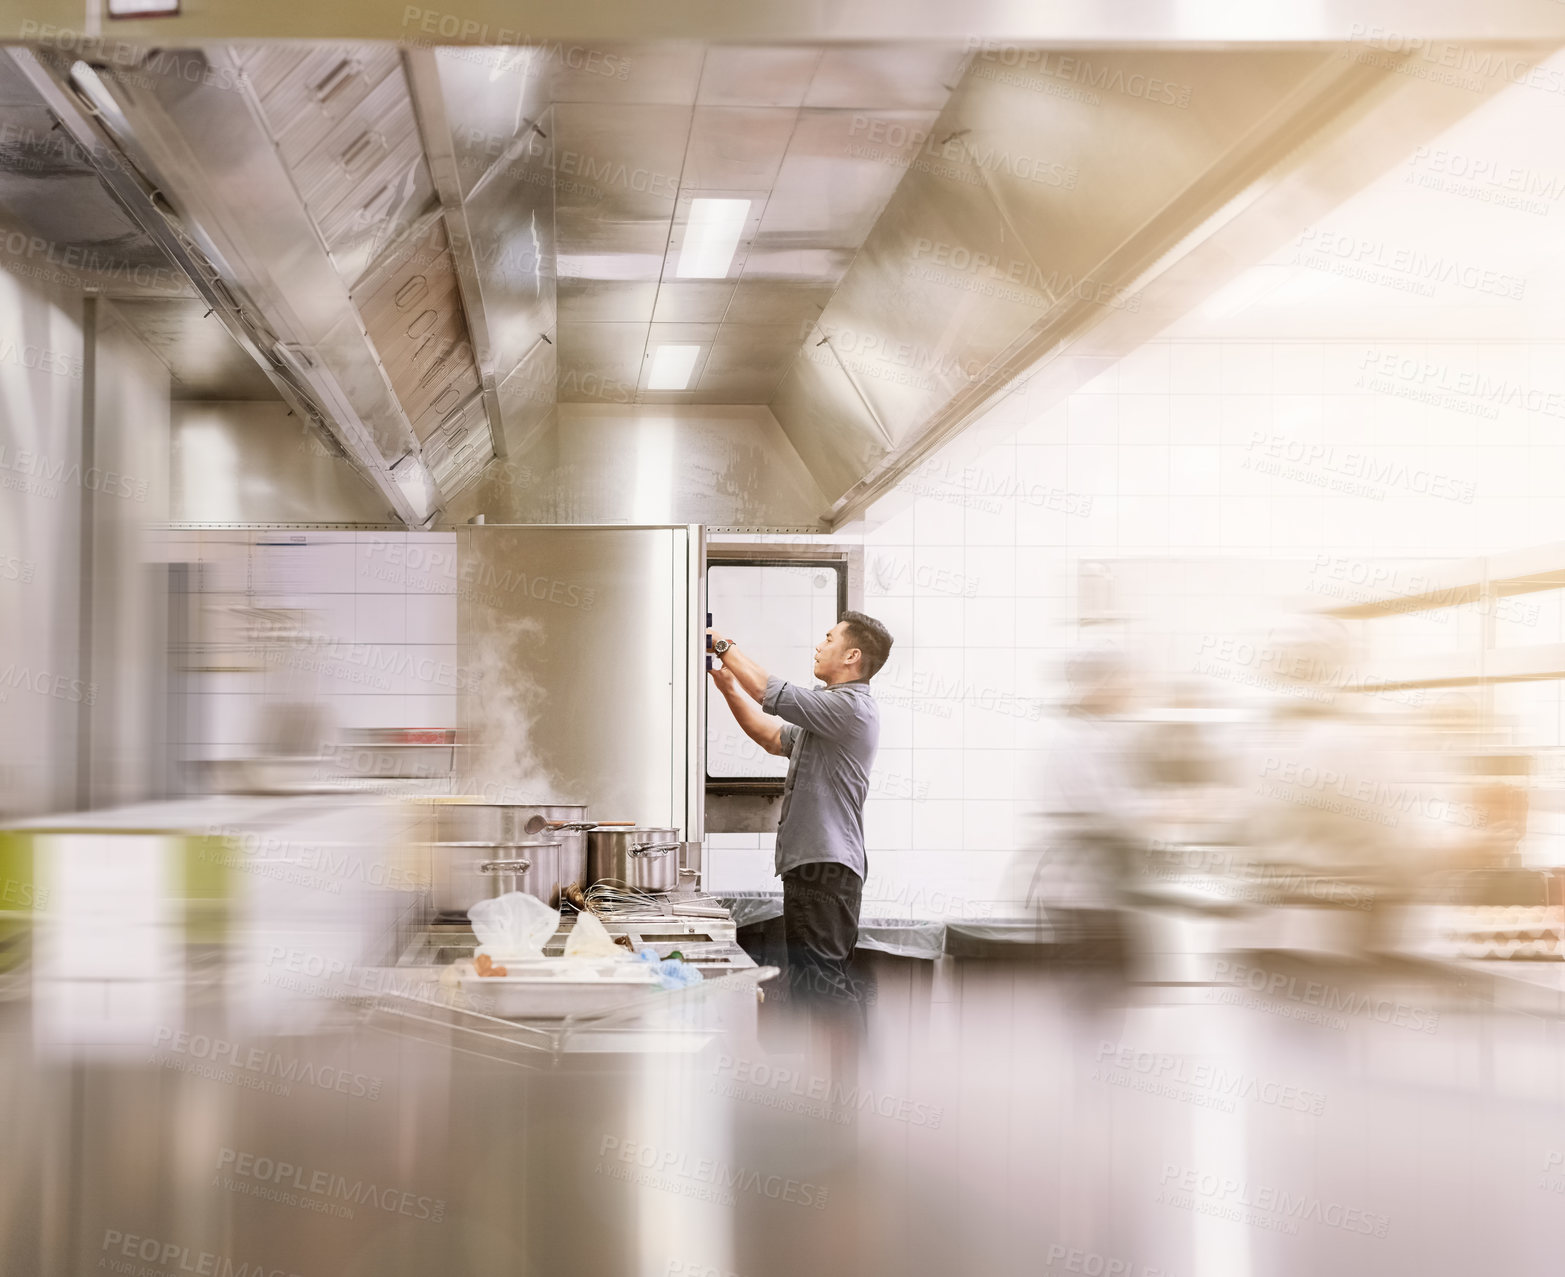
829 735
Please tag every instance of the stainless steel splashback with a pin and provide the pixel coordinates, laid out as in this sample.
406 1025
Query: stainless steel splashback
583 654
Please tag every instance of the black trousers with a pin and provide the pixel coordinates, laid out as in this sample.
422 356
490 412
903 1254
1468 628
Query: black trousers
821 930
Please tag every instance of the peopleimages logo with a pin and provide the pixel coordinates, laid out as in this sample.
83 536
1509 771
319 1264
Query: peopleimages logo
39 358
958 260
678 1171
1262 1205
241 1063
50 474
1348 471
127 1253
821 1095
1010 63
59 686
1179 1077
1450 385
281 1176
1325 249
1327 998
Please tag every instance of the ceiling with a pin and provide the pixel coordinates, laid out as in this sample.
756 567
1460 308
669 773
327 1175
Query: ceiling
203 360
801 134
1459 240
431 252
52 194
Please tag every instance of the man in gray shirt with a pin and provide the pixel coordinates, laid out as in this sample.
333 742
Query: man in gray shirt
829 736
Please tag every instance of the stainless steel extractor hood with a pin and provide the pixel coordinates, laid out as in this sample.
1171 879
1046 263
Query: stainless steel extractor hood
462 262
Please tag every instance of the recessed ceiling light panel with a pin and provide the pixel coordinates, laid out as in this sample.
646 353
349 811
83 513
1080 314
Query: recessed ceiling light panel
671 367
712 236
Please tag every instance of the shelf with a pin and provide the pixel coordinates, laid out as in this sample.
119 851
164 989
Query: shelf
1454 583
1534 663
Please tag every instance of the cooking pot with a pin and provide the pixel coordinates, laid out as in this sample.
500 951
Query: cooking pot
645 858
476 821
466 872
572 835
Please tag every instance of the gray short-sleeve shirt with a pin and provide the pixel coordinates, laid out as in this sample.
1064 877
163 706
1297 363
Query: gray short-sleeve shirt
830 735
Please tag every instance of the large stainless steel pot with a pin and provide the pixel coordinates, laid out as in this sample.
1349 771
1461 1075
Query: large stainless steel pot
643 857
573 847
461 821
466 872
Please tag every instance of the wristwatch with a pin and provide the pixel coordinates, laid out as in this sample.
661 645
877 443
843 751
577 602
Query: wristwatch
722 645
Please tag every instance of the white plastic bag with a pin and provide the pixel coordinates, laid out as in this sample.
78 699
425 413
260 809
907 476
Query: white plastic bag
514 927
589 938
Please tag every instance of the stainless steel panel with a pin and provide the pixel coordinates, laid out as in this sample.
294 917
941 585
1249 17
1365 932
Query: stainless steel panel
1098 23
775 292
723 465
308 91
359 167
746 362
1025 216
580 635
661 73
415 317
841 168
253 232
497 100
460 446
693 301
528 395
835 433
750 76
203 360
600 363
608 301
911 77
610 253
423 78
615 166
816 184
735 149
50 190
249 463
511 223
911 242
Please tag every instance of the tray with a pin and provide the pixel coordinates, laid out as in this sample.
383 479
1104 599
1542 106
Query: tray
552 988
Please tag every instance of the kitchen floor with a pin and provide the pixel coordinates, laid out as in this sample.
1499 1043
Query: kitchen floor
1301 1118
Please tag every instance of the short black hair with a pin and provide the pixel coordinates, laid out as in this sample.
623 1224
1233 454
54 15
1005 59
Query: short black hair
871 638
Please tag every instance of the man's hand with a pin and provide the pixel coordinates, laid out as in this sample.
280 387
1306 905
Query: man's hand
750 677
764 730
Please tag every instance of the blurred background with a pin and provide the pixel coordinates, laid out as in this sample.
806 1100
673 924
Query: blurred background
384 412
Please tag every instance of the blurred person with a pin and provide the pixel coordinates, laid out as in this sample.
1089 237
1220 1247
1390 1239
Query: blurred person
1321 782
829 736
1327 796
1187 761
1471 812
1089 808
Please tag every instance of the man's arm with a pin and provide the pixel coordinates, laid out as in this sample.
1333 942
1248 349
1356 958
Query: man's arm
752 678
826 713
763 729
